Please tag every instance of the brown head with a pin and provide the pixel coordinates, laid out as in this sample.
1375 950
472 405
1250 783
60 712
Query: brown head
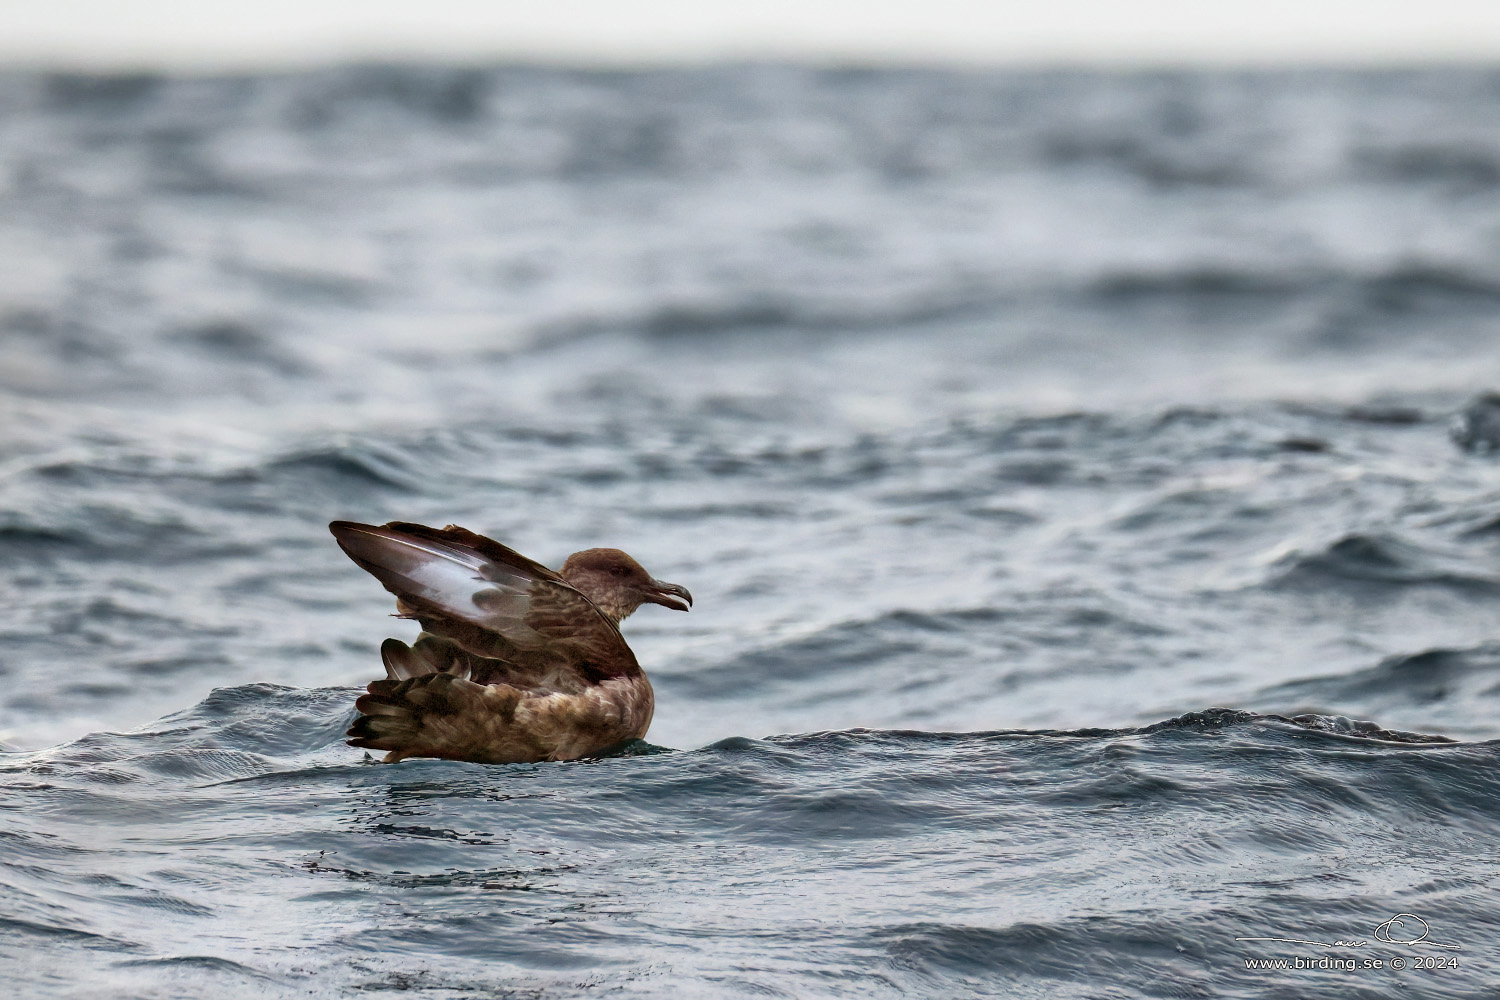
618 584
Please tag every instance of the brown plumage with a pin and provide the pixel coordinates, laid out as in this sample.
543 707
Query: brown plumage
515 662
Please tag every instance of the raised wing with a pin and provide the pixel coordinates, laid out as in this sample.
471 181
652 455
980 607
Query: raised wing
486 598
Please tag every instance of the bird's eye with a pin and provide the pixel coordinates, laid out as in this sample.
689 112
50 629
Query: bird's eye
620 571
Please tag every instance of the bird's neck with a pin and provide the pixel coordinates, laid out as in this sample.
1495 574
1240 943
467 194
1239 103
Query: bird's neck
617 603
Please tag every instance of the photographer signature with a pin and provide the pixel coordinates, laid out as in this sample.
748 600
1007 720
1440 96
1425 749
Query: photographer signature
1396 930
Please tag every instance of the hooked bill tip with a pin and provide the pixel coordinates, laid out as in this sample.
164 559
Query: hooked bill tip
672 595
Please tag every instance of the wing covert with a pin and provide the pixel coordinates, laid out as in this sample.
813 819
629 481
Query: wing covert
486 597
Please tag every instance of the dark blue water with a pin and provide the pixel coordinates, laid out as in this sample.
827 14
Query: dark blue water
1006 427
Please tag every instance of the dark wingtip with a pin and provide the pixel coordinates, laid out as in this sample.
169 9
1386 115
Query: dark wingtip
358 541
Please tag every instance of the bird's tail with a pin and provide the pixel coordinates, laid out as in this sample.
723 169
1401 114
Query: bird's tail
394 713
389 718
430 654
434 715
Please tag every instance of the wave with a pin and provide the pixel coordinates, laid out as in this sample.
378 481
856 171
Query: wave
23 537
1399 290
956 857
354 465
1467 166
239 343
1380 561
259 728
739 312
905 125
234 732
1442 682
1476 428
114 531
913 650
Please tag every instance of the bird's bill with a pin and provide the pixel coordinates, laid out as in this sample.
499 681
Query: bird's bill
669 595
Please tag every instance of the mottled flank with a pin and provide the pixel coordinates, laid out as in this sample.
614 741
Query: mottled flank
441 715
516 662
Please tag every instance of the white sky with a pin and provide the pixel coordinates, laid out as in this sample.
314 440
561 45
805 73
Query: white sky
210 34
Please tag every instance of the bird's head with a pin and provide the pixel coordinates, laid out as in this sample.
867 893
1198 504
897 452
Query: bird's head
618 584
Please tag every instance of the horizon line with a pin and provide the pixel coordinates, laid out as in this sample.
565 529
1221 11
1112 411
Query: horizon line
246 64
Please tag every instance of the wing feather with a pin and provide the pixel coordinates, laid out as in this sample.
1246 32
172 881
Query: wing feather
489 600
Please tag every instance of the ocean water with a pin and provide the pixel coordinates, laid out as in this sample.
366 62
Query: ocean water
1086 482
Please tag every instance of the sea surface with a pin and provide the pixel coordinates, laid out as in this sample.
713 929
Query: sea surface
1085 479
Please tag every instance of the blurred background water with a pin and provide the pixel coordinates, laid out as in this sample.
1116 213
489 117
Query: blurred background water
1051 408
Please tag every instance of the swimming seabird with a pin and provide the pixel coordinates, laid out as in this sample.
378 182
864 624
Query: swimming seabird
515 662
